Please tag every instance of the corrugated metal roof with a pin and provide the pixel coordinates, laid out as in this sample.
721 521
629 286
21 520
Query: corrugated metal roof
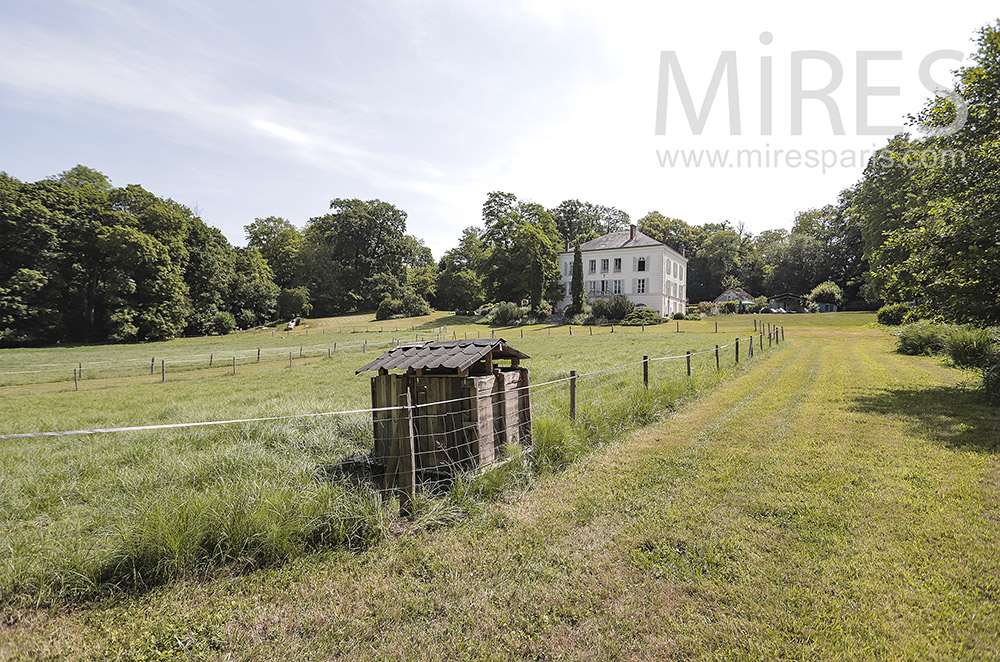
451 354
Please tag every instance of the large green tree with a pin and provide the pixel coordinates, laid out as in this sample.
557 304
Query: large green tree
355 256
279 242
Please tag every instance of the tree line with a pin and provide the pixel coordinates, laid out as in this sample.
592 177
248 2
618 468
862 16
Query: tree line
82 260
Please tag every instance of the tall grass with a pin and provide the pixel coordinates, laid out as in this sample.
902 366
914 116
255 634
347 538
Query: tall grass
89 516
965 346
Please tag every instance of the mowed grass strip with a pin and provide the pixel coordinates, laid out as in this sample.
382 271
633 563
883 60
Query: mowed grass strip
836 501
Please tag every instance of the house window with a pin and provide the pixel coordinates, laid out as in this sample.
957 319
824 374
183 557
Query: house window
592 285
617 285
675 270
680 271
641 264
569 291
592 268
604 266
618 265
640 286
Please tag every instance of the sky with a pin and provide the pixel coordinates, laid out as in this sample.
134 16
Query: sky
250 109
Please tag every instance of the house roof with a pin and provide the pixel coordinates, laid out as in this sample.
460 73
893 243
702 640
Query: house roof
786 295
451 354
619 240
741 293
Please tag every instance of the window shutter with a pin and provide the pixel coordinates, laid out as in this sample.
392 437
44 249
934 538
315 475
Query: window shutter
635 263
633 284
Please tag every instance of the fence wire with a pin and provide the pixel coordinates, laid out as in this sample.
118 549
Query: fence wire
66 484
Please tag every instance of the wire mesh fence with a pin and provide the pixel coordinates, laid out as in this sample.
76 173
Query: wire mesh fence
84 494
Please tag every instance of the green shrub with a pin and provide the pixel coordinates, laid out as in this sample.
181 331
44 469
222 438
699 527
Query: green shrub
642 317
614 309
892 314
679 316
971 347
224 322
921 338
507 313
729 307
410 305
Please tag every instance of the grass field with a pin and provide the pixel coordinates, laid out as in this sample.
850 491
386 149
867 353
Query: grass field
92 514
833 501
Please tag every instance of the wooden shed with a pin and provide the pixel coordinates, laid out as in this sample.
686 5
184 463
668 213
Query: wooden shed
457 403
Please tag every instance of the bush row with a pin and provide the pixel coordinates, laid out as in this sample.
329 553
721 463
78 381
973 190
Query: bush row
966 346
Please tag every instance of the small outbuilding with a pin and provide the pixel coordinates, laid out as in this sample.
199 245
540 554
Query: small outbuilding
447 406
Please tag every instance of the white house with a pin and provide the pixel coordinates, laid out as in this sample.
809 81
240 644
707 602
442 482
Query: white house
649 273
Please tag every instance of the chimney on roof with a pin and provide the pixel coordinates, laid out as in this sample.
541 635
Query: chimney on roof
683 251
631 232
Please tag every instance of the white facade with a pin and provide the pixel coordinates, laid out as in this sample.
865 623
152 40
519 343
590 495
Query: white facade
632 264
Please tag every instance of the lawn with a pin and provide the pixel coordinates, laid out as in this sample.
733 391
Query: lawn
833 500
86 515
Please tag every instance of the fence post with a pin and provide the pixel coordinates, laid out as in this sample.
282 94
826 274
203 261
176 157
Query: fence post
782 334
716 327
300 351
768 338
755 325
211 357
750 349
591 330
258 355
335 346
571 331
689 362
163 371
643 329
76 381
289 359
762 340
234 365
678 327
522 332
572 395
152 364
717 366
493 333
329 353
364 348
407 476
737 350
645 370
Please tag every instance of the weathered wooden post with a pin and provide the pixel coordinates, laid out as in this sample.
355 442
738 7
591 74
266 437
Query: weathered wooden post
329 353
152 365
750 349
717 366
645 370
289 359
258 355
300 351
782 334
642 328
234 365
211 357
572 395
163 371
335 346
406 479
364 347
716 327
737 350
522 332
755 325
689 362
80 366
762 339
591 330
76 380
768 338
678 327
